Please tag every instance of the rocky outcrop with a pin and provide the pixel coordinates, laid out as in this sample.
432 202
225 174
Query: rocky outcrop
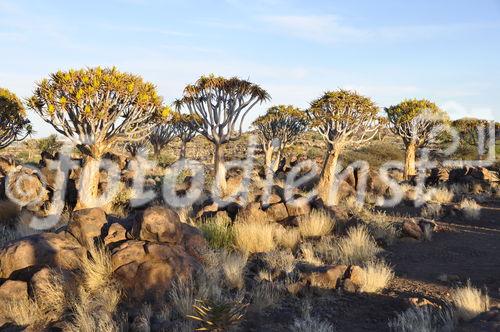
148 252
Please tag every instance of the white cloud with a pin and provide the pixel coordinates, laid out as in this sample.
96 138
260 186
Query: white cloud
333 29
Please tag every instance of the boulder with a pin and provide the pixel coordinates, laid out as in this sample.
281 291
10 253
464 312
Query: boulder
193 241
271 199
482 173
354 279
277 212
412 230
298 207
146 270
208 211
329 277
252 213
158 224
58 250
87 224
116 233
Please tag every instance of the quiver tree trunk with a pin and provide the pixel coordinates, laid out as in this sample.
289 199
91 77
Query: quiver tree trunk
410 155
182 153
89 183
268 153
156 151
276 162
220 169
327 177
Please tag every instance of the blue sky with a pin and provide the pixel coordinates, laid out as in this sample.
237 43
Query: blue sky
446 51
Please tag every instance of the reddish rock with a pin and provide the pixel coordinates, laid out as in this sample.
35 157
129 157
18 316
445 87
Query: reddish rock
86 225
193 241
277 212
298 207
327 278
58 250
158 224
412 230
116 233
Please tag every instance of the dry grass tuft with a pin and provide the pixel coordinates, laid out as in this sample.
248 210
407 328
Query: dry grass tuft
469 302
233 266
48 305
377 277
431 211
96 269
280 261
310 324
315 224
357 247
265 295
309 255
423 319
254 237
471 209
219 232
287 238
440 195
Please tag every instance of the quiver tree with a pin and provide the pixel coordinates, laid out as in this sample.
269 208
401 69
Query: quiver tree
162 133
475 132
97 108
415 121
342 118
278 129
221 104
135 149
185 126
14 126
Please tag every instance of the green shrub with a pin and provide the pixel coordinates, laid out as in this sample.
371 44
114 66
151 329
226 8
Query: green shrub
219 232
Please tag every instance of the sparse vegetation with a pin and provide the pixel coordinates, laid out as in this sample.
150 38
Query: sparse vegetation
252 237
470 208
425 319
316 224
377 277
469 302
357 247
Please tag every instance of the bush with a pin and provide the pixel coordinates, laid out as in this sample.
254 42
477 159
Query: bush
470 208
254 237
377 277
423 319
219 233
315 224
357 247
469 302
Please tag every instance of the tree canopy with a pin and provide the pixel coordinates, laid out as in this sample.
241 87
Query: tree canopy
343 117
414 120
221 104
98 107
14 126
283 122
